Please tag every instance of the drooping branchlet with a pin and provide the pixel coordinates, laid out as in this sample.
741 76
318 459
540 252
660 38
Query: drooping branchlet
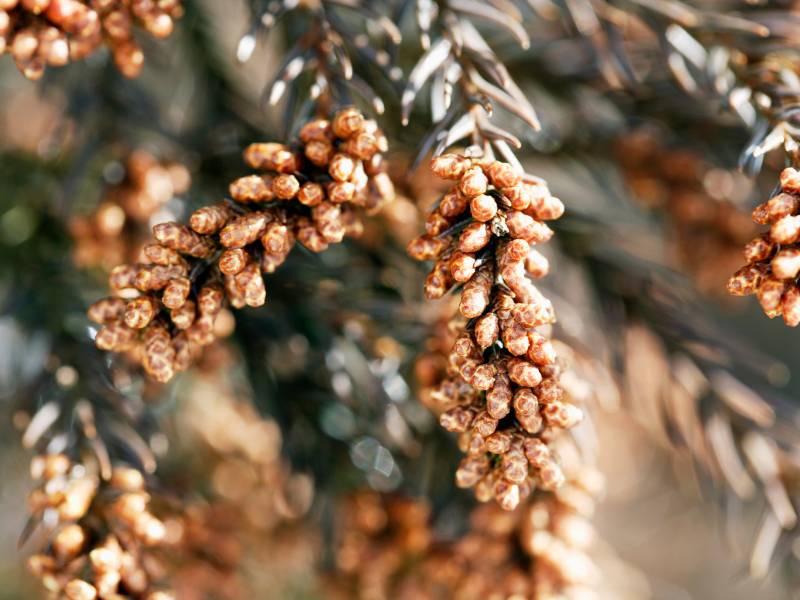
499 386
773 258
166 305
101 532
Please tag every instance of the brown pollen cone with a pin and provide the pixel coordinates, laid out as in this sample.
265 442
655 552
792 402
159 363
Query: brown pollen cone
773 258
166 305
497 385
42 33
101 533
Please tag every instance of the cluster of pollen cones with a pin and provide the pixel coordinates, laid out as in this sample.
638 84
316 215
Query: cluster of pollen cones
498 385
42 33
99 545
165 306
773 258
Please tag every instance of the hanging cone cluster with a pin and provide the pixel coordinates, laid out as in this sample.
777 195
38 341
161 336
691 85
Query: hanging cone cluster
542 550
773 258
166 305
112 233
41 33
557 533
500 389
99 544
378 536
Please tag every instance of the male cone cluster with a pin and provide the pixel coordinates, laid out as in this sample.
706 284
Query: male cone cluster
42 33
103 530
500 388
542 551
773 258
166 305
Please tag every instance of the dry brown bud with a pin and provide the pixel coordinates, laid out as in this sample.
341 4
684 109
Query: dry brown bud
347 122
769 296
140 311
790 180
252 188
209 219
476 293
786 263
122 277
786 230
503 175
453 204
316 130
426 248
474 237
341 167
341 191
438 281
449 166
319 152
285 186
483 377
363 145
565 416
487 330
233 260
244 230
161 255
184 240
523 373
790 306
311 194
471 470
209 300
271 157
483 208
77 589
457 419
548 208
115 336
780 206
758 249
68 542
250 281
183 316
498 399
462 266
106 310
746 280
473 182
308 235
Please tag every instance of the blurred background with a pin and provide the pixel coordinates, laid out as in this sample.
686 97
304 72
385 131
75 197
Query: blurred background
309 406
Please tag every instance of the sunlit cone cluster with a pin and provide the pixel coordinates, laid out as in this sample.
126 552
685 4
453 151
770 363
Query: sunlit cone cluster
379 537
542 550
700 203
557 533
115 231
773 258
166 305
102 532
500 388
42 33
